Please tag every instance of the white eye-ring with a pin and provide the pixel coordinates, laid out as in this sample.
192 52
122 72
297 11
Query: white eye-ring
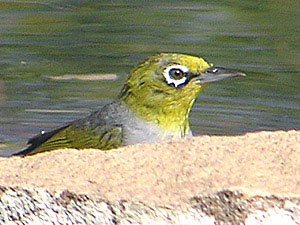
175 74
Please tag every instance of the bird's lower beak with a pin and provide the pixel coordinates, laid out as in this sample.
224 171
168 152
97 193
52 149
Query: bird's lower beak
214 74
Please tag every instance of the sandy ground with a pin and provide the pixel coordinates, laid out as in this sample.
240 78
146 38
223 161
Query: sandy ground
260 163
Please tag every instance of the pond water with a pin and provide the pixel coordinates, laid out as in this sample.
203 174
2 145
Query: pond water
45 38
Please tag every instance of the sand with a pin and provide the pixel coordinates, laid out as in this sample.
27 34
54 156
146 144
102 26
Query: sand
167 173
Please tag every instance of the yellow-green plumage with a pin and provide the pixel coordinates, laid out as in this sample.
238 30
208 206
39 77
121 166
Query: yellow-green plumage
153 105
154 100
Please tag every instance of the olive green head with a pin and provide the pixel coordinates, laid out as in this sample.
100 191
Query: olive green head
162 89
166 75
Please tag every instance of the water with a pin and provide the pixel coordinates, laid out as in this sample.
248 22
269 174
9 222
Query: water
54 38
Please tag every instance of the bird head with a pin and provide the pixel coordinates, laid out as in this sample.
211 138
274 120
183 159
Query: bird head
163 88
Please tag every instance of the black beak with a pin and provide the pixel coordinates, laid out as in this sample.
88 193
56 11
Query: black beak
214 74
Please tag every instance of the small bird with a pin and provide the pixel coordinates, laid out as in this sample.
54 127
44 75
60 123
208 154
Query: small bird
153 105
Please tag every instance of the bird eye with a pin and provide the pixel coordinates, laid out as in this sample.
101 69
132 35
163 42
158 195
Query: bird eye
176 73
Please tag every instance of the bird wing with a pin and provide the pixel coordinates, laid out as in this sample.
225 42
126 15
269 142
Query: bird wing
76 135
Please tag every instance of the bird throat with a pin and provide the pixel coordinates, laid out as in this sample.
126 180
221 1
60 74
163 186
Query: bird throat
169 112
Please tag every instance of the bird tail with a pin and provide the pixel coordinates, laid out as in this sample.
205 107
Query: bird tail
38 140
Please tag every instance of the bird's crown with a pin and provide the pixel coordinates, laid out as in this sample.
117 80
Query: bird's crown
167 72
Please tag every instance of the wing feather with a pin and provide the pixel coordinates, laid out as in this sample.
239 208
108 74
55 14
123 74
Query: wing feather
102 137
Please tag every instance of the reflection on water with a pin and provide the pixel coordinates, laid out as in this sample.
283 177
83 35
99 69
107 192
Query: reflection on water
55 38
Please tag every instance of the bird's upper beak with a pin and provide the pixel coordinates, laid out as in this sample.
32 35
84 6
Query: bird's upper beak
214 74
